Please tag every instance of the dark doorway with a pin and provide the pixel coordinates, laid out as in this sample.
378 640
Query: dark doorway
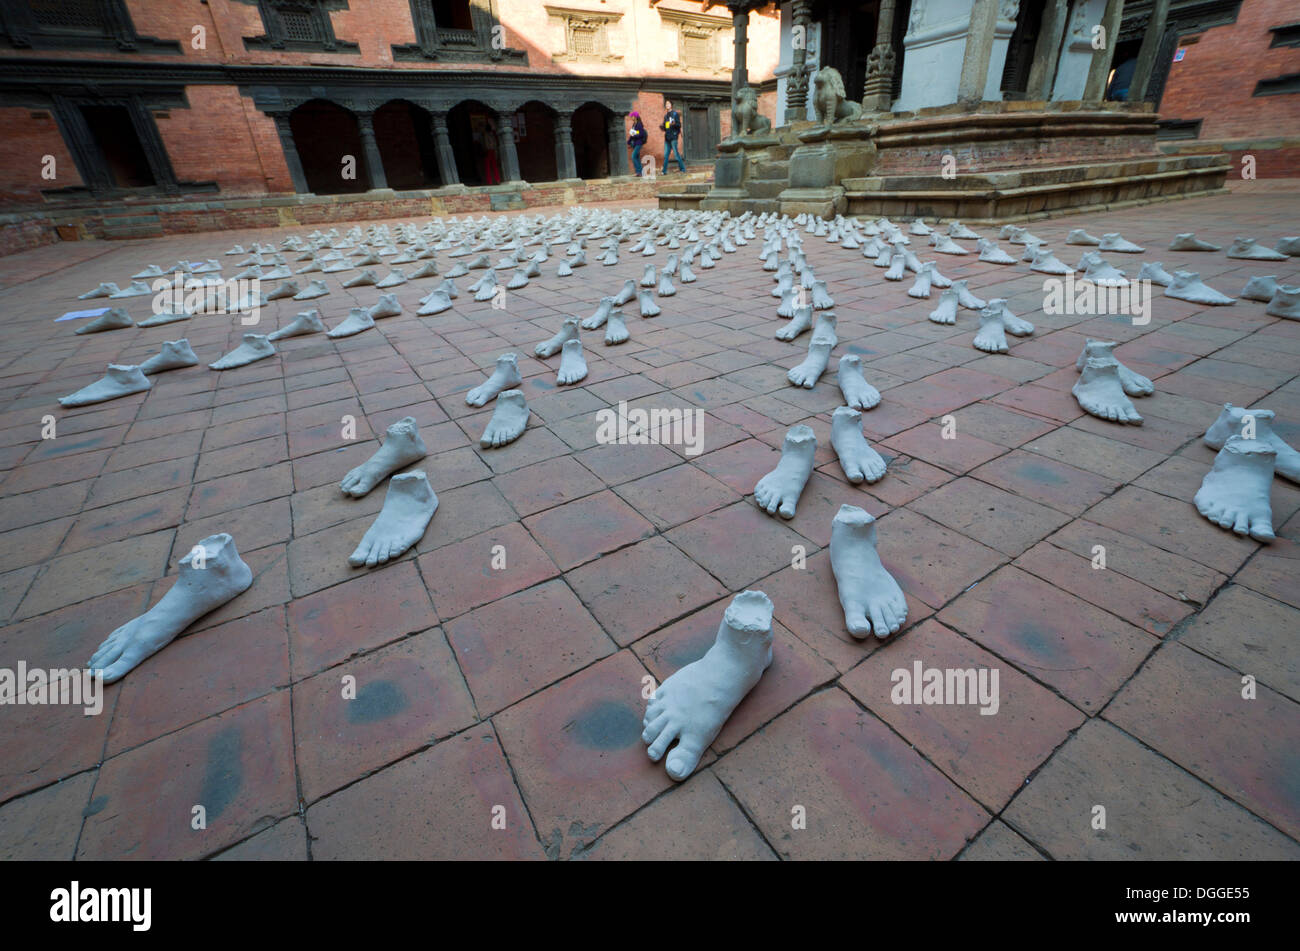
329 146
452 15
535 143
591 141
702 133
1122 69
472 128
115 135
1020 49
403 132
848 37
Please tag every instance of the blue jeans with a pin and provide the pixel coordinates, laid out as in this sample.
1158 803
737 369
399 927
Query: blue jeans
636 159
670 146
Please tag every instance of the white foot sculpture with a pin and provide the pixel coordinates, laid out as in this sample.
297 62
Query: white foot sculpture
255 347
573 365
210 575
858 393
118 381
509 419
504 377
408 507
1235 492
1101 392
1254 424
779 490
402 446
1135 384
859 461
175 355
568 331
693 704
871 598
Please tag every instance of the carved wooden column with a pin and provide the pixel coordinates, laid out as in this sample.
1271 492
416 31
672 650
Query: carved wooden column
447 170
1152 41
796 83
979 47
506 147
290 149
566 163
617 147
1099 71
1047 51
740 40
374 161
878 90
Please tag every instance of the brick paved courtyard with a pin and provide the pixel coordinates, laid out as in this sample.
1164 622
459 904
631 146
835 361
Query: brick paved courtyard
516 694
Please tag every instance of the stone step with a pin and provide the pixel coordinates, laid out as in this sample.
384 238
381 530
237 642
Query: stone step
133 226
766 188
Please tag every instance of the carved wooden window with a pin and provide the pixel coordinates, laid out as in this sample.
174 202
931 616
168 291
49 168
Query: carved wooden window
586 34
465 31
75 24
299 25
699 40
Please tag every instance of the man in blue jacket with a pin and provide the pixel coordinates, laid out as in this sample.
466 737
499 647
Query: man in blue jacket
672 126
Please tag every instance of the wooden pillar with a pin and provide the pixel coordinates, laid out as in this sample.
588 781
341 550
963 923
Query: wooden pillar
740 41
566 163
447 170
1047 51
506 147
796 83
374 161
1152 41
291 156
979 47
1099 70
878 90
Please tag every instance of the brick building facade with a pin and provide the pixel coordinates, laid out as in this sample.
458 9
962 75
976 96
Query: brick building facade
107 99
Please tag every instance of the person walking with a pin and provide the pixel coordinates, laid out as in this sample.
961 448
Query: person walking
637 138
672 132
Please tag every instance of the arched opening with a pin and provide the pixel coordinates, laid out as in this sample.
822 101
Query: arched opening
404 134
535 142
591 140
472 128
328 141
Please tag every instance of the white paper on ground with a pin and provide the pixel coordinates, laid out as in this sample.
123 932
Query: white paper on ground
78 314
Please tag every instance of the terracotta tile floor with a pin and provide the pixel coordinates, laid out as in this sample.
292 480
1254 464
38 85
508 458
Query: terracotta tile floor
497 711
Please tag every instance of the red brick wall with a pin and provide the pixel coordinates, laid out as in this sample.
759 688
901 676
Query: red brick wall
224 137
24 142
1215 80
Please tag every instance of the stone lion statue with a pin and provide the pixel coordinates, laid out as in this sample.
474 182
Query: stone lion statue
828 97
745 117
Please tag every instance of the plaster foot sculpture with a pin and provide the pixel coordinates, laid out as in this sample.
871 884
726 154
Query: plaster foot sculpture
1080 236
858 393
460 270
946 312
800 322
627 294
1233 421
616 329
386 306
1116 242
114 319
504 377
568 331
687 275
1260 288
871 598
437 302
573 365
693 704
1134 384
1012 324
1285 302
946 245
408 507
1247 249
958 230
991 337
779 490
137 289
648 276
287 289
402 446
1155 272
175 355
1235 493
508 421
1187 286
1288 246
859 461
165 316
306 322
1045 262
255 347
312 291
666 288
788 303
118 381
990 253
821 298
1100 272
395 278
920 288
597 320
966 298
486 289
897 267
813 366
1189 242
646 301
354 323
1100 392
210 575
107 289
